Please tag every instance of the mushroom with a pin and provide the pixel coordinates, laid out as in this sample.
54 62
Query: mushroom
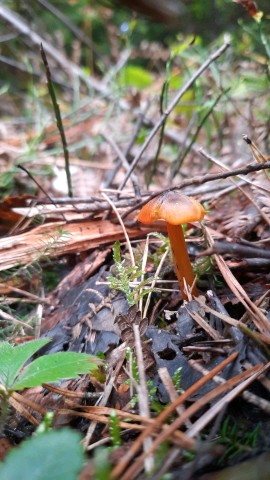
176 209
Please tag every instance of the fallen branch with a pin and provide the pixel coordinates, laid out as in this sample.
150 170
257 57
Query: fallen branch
200 179
236 249
172 105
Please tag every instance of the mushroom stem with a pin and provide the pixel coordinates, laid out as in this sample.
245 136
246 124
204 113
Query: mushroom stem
181 259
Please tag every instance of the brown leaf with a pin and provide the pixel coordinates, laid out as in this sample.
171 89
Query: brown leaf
8 219
251 8
126 322
14 201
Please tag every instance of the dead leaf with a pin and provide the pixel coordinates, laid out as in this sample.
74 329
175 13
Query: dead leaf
60 238
251 8
126 322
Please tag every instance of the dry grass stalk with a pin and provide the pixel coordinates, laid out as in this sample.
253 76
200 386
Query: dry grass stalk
137 465
120 468
143 397
258 318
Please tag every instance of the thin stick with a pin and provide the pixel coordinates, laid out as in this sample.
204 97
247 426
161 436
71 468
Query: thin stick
186 150
132 259
247 395
40 188
257 154
209 177
69 24
19 24
96 205
218 406
236 249
119 469
122 157
249 197
163 258
58 118
144 260
10 318
224 167
143 397
173 104
136 467
31 296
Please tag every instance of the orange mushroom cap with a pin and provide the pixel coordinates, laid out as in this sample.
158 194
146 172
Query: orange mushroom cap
173 207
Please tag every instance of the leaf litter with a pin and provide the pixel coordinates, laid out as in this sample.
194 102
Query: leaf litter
218 342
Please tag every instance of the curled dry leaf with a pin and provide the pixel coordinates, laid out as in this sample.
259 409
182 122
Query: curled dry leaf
125 324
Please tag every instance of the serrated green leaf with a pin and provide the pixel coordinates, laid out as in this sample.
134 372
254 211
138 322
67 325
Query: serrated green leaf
12 359
55 367
117 252
54 455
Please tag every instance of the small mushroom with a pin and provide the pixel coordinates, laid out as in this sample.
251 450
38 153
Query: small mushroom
176 209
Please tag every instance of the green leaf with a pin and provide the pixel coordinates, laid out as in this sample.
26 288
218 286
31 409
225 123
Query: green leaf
54 367
13 358
102 464
249 84
135 76
184 45
54 455
114 429
117 252
7 179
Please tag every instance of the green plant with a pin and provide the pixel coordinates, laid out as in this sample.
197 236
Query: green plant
135 76
161 249
14 375
47 368
259 30
155 405
46 424
152 389
12 320
124 276
160 454
133 367
206 266
203 266
177 379
43 269
102 464
58 118
8 179
7 182
114 429
51 275
55 454
236 439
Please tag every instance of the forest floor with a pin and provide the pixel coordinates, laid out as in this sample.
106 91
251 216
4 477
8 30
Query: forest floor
183 391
